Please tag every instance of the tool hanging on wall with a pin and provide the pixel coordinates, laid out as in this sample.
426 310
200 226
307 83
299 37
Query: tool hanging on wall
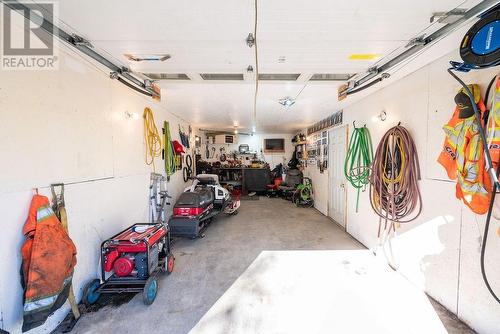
179 151
184 137
168 151
58 206
222 156
187 171
151 137
358 160
394 192
480 49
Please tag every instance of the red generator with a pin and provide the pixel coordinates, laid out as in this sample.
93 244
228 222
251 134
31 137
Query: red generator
131 261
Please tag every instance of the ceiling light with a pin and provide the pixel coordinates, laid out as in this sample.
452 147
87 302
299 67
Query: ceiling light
287 102
149 57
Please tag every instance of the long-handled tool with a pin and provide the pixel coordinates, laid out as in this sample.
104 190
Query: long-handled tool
58 206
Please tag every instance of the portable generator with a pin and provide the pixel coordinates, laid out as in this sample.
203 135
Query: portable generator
132 259
130 262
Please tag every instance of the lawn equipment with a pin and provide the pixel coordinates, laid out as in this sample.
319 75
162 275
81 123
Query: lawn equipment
199 204
303 195
132 259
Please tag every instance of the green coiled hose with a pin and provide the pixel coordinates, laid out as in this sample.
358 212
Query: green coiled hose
169 154
359 159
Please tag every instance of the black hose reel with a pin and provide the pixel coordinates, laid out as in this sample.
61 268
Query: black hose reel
480 46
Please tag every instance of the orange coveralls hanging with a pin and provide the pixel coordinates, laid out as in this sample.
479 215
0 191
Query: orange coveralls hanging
48 260
463 156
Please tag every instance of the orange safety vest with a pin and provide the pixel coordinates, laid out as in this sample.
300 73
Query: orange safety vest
463 158
48 260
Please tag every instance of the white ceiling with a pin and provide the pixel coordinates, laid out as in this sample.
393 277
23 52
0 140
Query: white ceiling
209 37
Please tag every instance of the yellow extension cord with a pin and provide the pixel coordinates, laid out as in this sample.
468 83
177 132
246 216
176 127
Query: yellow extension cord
151 137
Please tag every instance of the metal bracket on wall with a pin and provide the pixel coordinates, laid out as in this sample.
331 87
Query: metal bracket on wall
448 17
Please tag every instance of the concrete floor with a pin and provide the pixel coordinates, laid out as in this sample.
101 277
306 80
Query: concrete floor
206 268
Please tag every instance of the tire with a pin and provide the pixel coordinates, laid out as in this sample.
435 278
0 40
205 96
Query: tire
90 293
169 264
150 290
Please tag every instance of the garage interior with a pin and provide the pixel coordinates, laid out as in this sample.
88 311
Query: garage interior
250 166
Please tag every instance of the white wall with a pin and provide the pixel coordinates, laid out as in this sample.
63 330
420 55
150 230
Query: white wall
256 144
440 251
70 126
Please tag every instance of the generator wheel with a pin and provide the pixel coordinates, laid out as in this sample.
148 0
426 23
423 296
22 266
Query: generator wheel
150 290
170 264
90 293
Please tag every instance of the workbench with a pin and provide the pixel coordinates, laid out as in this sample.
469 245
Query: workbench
250 179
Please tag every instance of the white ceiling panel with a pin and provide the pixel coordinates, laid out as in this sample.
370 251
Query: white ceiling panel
294 36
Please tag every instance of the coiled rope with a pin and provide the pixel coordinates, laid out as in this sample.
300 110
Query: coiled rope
394 192
151 137
358 159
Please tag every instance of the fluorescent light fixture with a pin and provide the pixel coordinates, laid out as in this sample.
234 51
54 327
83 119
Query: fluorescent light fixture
147 57
287 102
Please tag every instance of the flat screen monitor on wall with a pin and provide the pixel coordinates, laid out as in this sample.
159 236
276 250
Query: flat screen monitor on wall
274 145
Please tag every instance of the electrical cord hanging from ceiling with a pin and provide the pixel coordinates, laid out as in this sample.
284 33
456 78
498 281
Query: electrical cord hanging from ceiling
256 55
151 137
494 178
358 159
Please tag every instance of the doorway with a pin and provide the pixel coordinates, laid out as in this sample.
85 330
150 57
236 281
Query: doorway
337 146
